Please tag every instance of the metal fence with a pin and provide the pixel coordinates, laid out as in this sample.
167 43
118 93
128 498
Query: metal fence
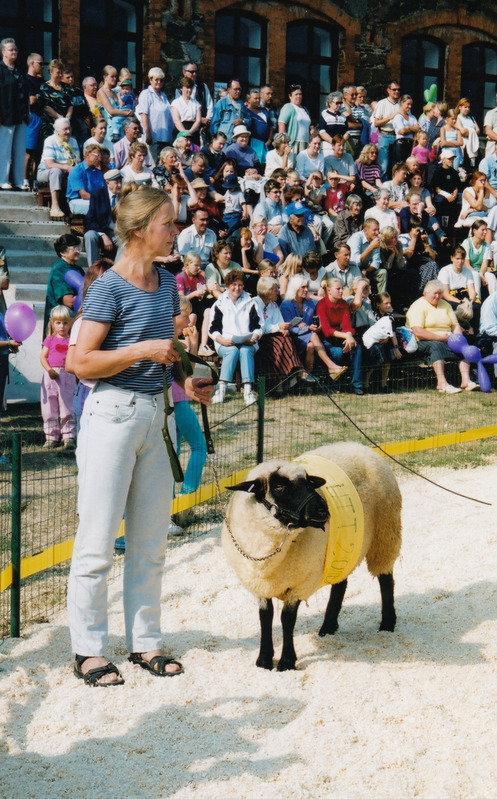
38 516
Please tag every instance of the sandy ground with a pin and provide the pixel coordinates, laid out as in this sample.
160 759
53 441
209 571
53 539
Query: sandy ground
367 714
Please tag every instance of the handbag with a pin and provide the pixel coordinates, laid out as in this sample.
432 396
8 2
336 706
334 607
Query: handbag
407 339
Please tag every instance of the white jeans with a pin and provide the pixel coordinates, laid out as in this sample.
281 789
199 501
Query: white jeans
12 153
124 469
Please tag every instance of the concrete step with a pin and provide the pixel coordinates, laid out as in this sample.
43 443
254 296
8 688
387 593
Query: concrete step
25 198
30 259
30 292
33 228
29 243
24 213
22 275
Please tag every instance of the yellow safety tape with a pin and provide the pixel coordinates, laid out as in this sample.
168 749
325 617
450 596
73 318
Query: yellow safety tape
432 442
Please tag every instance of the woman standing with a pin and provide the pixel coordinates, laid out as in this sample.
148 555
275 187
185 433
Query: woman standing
405 125
469 130
125 343
187 113
110 105
295 120
155 113
55 98
14 115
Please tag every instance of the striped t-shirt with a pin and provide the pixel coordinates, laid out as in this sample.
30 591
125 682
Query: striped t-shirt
134 315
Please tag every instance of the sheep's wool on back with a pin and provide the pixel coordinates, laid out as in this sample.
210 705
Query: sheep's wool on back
346 524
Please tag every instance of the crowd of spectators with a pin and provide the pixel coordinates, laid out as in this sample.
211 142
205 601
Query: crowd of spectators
345 216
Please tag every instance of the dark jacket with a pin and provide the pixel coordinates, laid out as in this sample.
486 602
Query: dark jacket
14 97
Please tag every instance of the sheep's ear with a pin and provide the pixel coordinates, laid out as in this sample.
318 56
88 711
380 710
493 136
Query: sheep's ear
256 487
316 482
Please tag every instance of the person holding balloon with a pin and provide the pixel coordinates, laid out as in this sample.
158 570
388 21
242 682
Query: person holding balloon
57 384
59 290
433 321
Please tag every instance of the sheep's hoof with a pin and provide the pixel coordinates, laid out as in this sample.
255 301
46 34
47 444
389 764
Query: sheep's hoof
328 629
286 665
262 663
388 627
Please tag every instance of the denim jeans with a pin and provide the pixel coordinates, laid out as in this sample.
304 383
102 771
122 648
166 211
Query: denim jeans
189 429
385 143
231 355
354 357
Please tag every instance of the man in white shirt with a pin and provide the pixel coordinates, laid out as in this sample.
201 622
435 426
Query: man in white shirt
198 237
341 267
384 113
340 161
365 252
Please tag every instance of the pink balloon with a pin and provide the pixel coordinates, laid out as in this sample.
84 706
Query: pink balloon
471 353
456 342
483 378
20 321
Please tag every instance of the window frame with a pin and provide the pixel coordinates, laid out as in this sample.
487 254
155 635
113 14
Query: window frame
481 77
237 52
309 60
113 35
419 72
21 25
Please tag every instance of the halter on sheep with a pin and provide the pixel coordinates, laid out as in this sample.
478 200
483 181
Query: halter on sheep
360 492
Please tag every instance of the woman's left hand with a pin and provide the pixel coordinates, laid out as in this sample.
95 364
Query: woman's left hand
199 389
162 351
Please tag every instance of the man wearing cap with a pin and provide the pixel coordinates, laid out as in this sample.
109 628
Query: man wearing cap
445 187
229 111
200 93
155 113
295 237
198 237
84 178
384 113
132 130
241 151
99 226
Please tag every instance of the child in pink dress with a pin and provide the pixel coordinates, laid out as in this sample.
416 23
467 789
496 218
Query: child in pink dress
57 385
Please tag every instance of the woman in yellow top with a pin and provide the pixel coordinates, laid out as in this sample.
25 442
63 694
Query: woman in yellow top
432 321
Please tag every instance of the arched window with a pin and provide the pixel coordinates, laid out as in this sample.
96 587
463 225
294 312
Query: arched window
423 64
312 60
111 33
241 42
479 77
34 25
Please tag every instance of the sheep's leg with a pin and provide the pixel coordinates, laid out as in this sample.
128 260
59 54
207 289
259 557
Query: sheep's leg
330 622
266 652
288 619
388 615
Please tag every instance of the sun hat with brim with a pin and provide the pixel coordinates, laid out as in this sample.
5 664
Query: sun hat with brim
199 183
447 152
231 182
296 209
240 130
112 174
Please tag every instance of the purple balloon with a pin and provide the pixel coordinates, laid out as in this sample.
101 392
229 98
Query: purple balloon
456 342
490 358
483 378
20 321
471 353
74 279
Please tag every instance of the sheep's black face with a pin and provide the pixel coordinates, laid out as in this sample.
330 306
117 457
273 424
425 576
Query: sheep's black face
295 502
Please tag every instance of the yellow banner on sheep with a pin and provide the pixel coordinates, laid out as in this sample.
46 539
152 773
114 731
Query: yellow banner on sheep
346 524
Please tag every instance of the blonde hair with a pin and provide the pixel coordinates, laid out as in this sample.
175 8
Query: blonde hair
60 313
185 305
191 256
291 265
137 208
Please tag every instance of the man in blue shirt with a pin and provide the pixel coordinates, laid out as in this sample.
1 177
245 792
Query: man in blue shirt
295 236
229 110
83 179
365 252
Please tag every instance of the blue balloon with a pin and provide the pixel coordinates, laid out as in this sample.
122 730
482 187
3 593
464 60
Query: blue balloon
471 353
490 358
483 378
456 342
74 279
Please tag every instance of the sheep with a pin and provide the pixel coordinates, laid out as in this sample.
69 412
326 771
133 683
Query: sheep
276 533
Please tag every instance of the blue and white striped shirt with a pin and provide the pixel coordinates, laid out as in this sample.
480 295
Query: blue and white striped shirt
134 315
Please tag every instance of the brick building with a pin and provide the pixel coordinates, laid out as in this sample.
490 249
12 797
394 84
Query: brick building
317 43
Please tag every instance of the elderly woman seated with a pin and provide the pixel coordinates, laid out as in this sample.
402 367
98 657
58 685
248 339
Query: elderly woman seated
277 355
60 154
235 328
297 308
432 321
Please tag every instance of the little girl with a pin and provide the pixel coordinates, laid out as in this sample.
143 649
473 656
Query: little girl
451 137
422 152
57 385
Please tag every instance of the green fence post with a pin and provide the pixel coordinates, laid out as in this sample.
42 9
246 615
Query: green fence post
15 591
261 392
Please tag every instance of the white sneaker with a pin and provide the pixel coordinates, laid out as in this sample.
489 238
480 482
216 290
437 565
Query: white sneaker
205 350
219 393
448 389
249 397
